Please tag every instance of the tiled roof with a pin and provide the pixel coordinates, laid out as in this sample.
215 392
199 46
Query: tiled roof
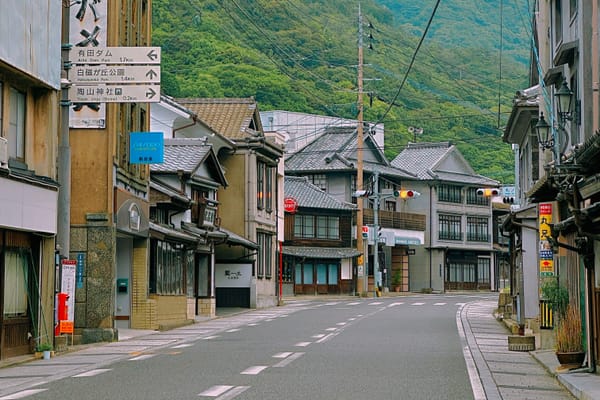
231 117
321 252
465 178
335 150
182 155
420 158
310 196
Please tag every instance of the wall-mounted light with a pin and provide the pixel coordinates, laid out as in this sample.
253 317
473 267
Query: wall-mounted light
564 95
544 133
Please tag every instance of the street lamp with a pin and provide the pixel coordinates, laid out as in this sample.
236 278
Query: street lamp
544 133
565 98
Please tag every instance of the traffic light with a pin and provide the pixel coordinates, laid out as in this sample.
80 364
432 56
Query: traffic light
488 192
362 193
508 200
406 194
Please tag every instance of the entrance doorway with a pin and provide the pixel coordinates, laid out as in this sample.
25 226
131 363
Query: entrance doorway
123 292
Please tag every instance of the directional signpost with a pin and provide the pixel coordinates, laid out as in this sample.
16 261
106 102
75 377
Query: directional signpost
115 75
146 93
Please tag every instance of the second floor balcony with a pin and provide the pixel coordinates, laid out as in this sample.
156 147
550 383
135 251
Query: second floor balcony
396 220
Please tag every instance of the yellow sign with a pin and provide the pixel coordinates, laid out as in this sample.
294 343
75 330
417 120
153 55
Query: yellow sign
360 260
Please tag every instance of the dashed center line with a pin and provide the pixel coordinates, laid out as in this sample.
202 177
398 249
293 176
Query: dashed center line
283 355
24 393
142 357
92 372
232 330
320 335
302 344
181 346
439 304
255 370
417 304
331 329
286 361
215 391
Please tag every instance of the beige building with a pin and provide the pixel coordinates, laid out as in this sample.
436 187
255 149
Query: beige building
29 122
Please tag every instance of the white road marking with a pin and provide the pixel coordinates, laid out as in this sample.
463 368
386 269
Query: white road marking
255 370
331 329
417 304
181 346
253 324
325 338
142 357
283 355
331 304
233 393
302 344
341 323
460 304
210 337
24 393
351 319
395 304
320 335
288 360
375 303
232 330
93 372
354 303
439 304
215 391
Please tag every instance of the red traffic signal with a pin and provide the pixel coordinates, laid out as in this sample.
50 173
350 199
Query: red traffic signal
488 192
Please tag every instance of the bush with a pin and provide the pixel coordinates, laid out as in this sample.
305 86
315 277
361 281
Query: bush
557 295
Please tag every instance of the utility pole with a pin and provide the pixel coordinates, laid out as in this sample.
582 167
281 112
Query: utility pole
359 165
376 272
64 150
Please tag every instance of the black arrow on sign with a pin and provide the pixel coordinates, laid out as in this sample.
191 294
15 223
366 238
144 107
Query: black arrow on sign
151 74
150 93
152 55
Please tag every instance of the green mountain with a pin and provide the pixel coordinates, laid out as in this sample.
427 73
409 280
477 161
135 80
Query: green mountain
302 56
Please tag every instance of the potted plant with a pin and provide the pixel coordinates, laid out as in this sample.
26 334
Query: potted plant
397 280
569 340
557 295
43 350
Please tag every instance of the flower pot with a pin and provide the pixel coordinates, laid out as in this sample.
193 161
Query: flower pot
46 354
574 358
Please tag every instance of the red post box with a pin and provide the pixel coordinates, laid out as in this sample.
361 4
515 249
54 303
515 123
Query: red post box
62 306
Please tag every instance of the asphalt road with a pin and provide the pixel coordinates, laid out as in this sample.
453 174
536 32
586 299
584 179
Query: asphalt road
389 348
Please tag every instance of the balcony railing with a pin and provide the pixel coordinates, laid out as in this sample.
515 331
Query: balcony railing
396 220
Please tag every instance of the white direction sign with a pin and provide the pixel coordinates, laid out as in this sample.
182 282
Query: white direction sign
115 94
115 55
115 74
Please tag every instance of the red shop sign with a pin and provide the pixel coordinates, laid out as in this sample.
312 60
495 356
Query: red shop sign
290 205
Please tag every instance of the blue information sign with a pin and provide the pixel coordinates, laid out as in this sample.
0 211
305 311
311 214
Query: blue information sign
146 147
79 270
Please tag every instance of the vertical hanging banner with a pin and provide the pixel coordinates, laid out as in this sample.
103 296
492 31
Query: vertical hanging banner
87 31
546 252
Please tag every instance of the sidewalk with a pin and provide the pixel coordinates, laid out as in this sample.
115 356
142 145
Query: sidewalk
508 375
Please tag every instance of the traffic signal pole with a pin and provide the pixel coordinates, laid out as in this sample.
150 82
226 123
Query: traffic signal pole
376 272
364 277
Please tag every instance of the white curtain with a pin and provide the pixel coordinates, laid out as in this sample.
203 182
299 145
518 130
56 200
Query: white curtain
15 284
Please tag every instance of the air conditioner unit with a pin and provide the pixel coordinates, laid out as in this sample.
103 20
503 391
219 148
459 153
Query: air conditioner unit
3 152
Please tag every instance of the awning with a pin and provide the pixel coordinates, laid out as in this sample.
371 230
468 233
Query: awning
235 239
321 252
163 232
392 237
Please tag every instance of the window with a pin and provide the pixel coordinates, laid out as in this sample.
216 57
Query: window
473 198
450 227
557 22
260 185
483 270
320 181
264 186
477 229
167 275
450 193
17 276
16 124
265 255
317 227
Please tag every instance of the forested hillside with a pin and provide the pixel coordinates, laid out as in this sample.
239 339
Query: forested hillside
301 55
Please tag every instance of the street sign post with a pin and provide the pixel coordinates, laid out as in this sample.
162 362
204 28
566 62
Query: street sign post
92 74
143 93
116 55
